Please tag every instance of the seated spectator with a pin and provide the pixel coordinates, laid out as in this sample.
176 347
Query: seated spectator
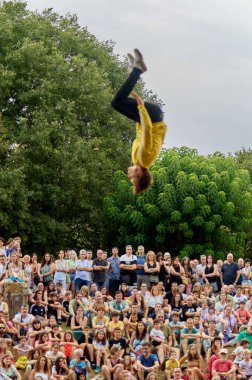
157 340
9 370
238 351
54 353
43 344
194 363
23 320
114 365
115 323
85 343
245 365
170 364
223 368
247 334
68 344
60 370
100 345
242 314
189 335
146 362
79 365
138 338
119 305
228 326
100 321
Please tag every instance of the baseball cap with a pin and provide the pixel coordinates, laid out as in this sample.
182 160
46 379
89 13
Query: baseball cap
224 351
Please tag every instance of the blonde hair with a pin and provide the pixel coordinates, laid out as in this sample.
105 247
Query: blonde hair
84 289
151 253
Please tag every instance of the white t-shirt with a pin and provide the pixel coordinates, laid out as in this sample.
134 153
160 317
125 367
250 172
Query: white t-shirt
246 367
238 352
28 319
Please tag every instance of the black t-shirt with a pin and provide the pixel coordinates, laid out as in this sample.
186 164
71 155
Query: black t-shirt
82 340
100 275
140 315
65 305
186 308
50 310
121 343
169 296
229 273
38 310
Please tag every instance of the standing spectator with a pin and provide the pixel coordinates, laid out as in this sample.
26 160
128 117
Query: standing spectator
100 268
114 272
46 269
151 269
200 269
209 273
185 263
128 265
230 272
176 271
61 270
72 271
141 275
219 264
83 270
2 248
246 272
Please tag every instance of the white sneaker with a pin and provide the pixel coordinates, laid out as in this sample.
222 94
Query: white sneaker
139 62
131 59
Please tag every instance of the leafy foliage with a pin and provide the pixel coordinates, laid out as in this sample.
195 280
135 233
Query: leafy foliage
61 141
197 204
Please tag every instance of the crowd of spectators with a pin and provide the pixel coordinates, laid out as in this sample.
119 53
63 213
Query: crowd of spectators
126 317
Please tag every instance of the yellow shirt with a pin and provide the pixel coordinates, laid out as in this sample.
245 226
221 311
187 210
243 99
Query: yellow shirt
112 325
171 364
149 139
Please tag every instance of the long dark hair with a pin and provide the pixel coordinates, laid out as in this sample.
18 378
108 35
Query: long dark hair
179 302
43 261
47 364
60 370
189 355
183 262
138 335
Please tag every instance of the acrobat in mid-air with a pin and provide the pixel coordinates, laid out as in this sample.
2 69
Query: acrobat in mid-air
150 128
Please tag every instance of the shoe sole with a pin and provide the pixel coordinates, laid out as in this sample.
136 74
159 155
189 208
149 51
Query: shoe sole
140 59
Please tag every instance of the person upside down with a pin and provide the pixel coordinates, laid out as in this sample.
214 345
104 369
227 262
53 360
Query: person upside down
150 128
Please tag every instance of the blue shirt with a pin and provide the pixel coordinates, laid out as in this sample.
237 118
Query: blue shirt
114 269
140 261
148 362
80 367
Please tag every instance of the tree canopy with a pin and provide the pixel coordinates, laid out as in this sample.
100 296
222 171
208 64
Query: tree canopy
197 205
60 139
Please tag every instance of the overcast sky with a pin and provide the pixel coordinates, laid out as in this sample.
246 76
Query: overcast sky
199 58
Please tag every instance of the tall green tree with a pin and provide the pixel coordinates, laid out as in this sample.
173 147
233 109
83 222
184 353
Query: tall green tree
197 205
61 142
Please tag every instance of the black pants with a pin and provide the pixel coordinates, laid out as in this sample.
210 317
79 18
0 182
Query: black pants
113 286
128 106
